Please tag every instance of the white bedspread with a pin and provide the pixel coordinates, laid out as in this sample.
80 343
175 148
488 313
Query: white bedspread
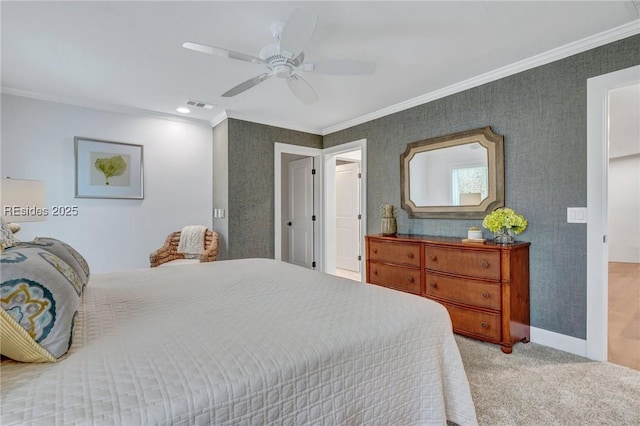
245 342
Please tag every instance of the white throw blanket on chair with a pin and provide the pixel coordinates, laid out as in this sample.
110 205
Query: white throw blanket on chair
192 240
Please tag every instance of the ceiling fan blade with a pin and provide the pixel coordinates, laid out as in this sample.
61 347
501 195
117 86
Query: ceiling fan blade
341 67
297 32
246 85
219 51
302 89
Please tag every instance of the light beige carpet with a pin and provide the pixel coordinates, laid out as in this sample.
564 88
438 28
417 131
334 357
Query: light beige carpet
538 385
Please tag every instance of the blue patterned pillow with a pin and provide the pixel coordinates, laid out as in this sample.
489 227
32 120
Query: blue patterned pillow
7 239
65 252
40 296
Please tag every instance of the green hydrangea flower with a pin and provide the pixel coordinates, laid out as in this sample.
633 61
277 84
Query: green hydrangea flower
505 218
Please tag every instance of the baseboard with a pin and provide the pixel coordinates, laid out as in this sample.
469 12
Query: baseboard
559 341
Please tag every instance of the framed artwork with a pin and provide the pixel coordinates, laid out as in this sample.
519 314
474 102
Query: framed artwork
107 169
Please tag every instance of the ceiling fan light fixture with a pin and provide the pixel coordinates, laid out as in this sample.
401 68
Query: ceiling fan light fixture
282 71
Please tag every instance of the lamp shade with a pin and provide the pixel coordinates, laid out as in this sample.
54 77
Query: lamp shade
22 200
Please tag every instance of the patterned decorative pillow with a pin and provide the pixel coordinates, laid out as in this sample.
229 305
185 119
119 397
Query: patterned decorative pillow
40 296
7 239
65 252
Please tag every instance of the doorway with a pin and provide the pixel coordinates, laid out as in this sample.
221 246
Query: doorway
297 216
599 90
335 229
623 226
347 201
325 232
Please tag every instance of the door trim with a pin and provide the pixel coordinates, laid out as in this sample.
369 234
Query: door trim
316 153
329 236
597 204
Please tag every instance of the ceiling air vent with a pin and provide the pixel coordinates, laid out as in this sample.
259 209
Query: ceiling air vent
200 104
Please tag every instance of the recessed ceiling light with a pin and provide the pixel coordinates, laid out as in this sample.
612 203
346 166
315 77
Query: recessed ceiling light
183 110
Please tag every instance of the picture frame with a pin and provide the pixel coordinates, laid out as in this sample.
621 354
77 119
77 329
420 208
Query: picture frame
106 169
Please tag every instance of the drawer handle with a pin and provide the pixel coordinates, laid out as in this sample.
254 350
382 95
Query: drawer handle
484 325
433 257
485 294
484 264
375 272
409 279
433 285
410 255
375 250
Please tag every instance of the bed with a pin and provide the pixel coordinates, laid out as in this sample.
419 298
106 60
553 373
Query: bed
245 342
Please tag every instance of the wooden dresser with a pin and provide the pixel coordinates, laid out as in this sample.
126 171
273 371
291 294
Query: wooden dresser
485 287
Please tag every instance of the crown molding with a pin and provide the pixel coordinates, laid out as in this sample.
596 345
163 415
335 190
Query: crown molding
218 118
627 30
102 106
282 124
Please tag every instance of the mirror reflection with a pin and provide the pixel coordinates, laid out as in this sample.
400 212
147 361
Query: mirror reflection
454 176
457 176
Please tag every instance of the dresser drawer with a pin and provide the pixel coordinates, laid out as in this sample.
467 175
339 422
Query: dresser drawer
471 263
398 253
396 277
476 293
482 324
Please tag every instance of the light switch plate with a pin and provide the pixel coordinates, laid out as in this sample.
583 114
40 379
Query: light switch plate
576 215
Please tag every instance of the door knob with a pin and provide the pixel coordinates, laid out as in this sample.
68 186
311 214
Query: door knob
288 223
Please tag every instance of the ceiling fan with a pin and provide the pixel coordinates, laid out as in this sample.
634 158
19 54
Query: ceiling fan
285 58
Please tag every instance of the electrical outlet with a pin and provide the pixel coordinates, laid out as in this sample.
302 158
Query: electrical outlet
576 215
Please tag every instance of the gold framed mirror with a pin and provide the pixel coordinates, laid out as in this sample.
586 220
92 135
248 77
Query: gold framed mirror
456 176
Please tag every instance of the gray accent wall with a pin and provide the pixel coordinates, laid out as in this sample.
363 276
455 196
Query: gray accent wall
250 213
542 114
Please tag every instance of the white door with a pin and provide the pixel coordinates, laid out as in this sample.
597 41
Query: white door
300 221
347 217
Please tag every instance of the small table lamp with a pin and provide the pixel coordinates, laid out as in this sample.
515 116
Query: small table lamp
22 201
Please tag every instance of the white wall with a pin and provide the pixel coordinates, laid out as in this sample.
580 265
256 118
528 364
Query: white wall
624 209
624 174
37 143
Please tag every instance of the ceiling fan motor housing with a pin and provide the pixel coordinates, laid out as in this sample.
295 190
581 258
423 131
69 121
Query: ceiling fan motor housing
281 63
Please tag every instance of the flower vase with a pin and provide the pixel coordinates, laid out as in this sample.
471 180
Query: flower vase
503 236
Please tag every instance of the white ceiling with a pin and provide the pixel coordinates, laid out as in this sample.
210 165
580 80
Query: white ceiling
129 56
